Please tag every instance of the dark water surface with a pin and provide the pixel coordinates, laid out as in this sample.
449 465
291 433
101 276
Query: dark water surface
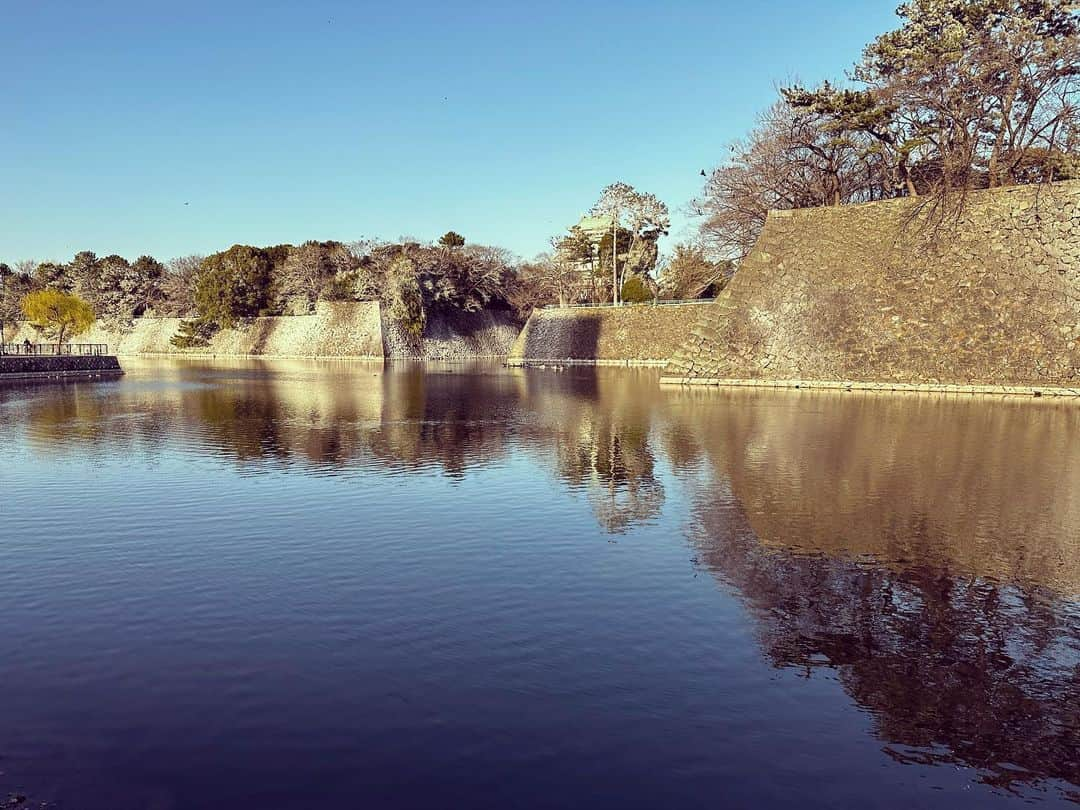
300 585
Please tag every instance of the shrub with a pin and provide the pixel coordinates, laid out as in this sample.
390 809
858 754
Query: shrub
636 291
406 299
193 334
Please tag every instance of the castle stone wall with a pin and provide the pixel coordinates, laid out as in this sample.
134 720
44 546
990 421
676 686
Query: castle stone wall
336 329
888 295
639 334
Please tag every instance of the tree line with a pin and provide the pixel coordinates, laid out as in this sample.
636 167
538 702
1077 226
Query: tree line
963 95
218 291
413 280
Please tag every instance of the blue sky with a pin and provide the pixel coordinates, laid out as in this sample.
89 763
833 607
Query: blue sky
280 122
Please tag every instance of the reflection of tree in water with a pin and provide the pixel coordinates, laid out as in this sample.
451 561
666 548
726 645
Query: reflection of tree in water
63 412
409 418
247 420
600 429
614 464
452 420
258 412
953 668
940 501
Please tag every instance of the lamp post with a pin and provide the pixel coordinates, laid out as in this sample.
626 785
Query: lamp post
3 305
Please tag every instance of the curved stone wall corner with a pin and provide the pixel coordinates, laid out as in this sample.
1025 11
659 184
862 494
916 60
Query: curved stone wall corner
637 334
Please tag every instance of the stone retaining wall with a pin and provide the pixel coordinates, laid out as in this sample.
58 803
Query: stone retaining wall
18 367
861 296
337 329
457 336
640 334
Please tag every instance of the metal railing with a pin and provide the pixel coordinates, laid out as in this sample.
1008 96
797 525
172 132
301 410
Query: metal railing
668 302
27 349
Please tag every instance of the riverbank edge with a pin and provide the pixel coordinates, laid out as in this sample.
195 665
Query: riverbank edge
230 356
522 362
61 375
856 385
321 358
17 367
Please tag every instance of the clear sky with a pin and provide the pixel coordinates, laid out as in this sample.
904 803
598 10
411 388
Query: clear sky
133 127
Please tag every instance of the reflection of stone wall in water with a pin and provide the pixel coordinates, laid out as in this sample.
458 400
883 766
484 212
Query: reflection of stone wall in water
953 669
293 410
860 294
450 419
926 549
945 482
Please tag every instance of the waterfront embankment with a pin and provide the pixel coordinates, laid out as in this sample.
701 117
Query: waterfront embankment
23 367
357 330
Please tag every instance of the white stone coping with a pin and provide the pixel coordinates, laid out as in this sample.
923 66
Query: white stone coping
838 385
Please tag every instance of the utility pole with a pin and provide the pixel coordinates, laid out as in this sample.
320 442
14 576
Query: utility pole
615 258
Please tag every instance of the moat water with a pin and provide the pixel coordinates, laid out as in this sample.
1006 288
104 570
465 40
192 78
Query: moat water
299 585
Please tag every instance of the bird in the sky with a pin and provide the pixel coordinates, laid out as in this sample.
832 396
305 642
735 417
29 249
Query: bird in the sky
703 173
187 203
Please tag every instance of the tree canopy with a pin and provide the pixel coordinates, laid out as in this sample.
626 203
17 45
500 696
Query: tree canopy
964 94
15 284
234 284
452 239
57 315
645 218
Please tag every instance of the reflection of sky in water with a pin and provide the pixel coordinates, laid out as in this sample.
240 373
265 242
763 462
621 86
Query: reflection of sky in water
503 572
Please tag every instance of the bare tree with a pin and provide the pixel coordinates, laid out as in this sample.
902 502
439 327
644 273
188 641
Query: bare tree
690 273
178 285
549 278
312 269
788 161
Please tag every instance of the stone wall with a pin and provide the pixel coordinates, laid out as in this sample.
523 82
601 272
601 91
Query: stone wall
335 330
339 329
873 296
640 334
457 336
19 367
